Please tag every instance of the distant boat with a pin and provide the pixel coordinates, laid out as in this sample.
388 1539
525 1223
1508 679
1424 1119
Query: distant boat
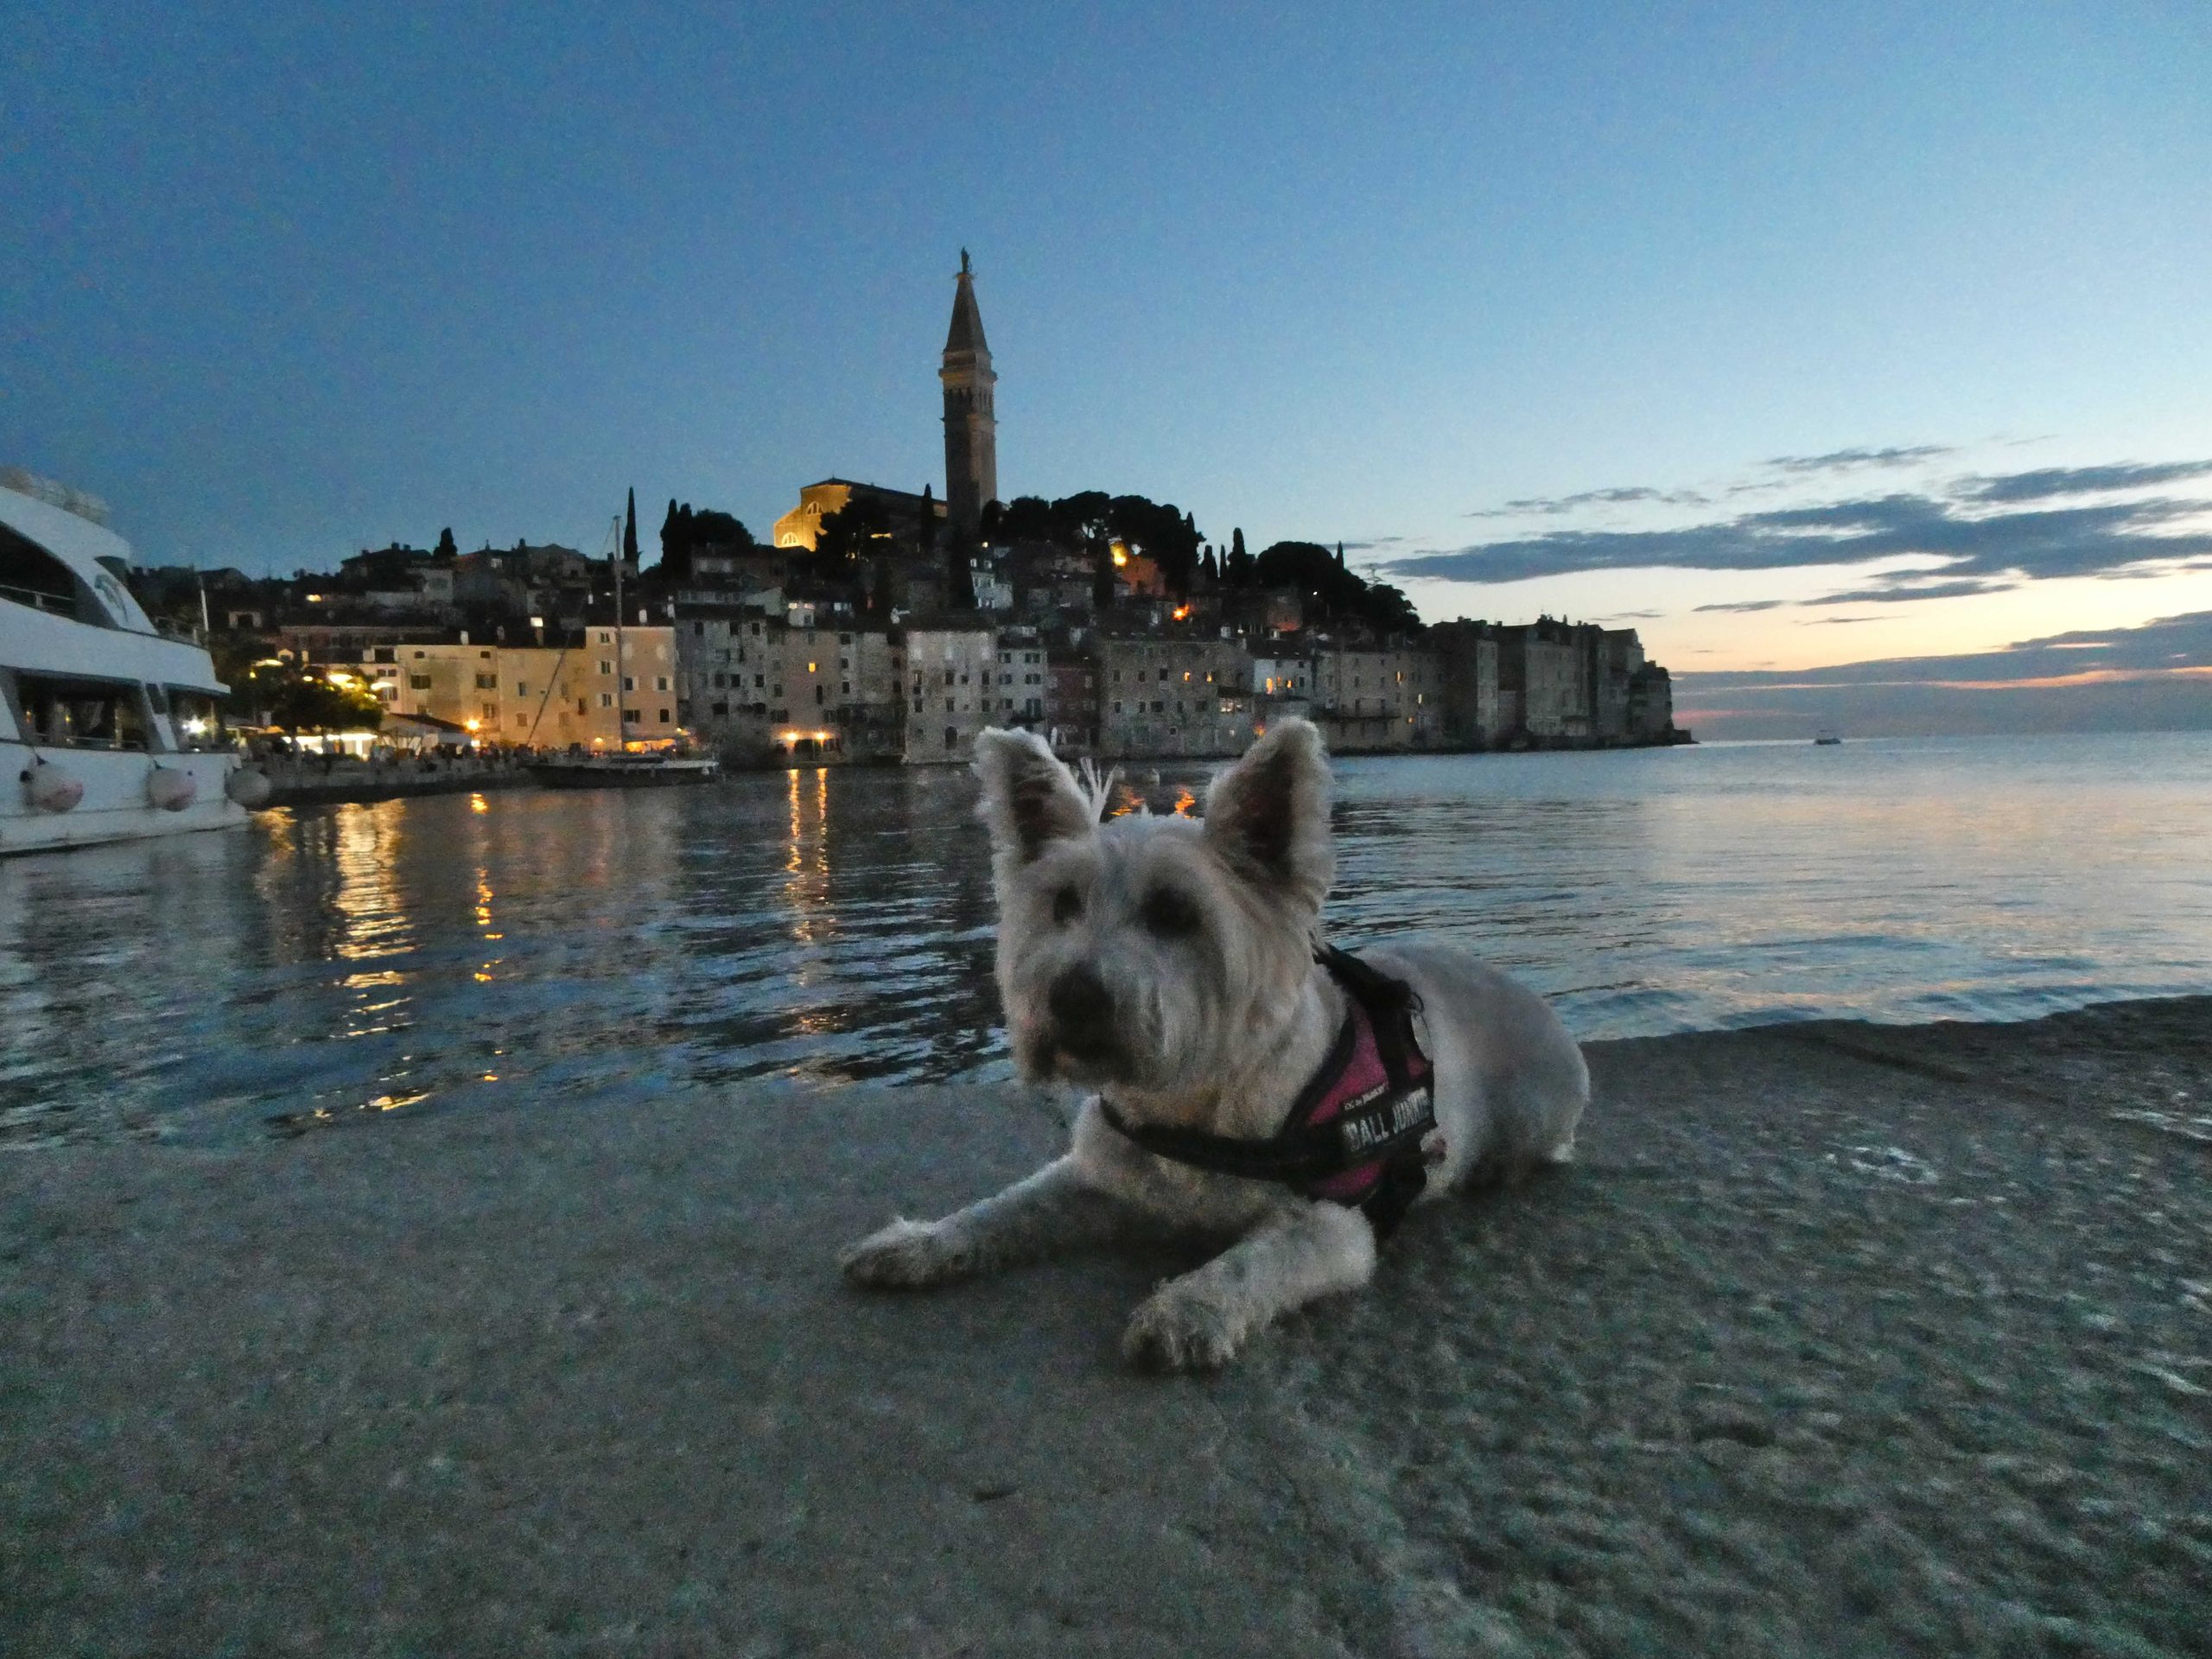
1827 739
657 769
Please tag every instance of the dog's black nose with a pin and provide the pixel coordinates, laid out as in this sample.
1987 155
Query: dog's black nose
1083 1011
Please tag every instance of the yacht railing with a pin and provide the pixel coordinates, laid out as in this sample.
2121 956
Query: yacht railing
39 600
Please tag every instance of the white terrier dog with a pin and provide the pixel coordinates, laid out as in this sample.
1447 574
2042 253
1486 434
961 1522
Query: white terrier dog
1246 1085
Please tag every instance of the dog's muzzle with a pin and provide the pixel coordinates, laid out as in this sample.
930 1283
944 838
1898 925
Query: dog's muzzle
1083 1017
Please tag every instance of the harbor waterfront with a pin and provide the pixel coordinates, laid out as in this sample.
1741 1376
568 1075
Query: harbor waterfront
486 951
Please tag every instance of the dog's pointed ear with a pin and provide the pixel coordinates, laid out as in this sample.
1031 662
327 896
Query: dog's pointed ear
1269 814
1030 799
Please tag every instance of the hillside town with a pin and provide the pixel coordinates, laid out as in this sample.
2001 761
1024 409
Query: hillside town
877 624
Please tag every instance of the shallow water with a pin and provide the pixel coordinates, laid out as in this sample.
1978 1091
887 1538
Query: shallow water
331 965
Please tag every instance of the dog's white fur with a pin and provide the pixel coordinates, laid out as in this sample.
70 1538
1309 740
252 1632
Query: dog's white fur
1198 937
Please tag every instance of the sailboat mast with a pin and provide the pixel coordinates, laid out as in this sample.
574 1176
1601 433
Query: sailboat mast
621 712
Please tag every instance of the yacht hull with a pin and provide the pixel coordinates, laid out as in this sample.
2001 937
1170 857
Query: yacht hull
115 805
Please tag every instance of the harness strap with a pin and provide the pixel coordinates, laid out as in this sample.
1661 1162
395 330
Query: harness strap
1384 1134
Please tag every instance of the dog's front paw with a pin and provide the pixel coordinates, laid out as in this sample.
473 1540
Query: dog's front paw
907 1255
1178 1329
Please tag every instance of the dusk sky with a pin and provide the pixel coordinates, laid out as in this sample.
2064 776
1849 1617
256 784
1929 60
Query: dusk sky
1798 337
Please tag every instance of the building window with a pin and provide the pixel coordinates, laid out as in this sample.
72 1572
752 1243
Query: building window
664 716
630 715
629 683
418 681
606 700
606 667
661 683
952 737
490 713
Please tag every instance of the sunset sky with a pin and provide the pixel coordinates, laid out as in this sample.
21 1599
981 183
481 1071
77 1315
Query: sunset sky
1798 338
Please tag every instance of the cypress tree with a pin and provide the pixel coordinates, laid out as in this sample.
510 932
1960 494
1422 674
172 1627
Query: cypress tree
630 528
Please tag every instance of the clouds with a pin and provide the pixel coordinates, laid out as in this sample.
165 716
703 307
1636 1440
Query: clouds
1981 539
1551 507
1847 461
2167 646
1900 590
2049 481
2155 676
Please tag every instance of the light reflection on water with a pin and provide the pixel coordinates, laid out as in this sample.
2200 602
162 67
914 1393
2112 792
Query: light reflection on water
329 966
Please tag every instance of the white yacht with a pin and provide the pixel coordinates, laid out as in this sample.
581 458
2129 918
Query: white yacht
109 728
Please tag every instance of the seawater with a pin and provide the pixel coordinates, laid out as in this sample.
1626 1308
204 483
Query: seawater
350 964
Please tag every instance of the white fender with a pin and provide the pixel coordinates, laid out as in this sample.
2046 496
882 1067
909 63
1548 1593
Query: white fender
170 789
249 787
50 788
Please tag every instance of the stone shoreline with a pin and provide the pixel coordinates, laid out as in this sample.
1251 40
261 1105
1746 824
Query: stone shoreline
1842 1339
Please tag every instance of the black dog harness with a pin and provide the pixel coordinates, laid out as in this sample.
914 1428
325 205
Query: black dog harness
1354 1136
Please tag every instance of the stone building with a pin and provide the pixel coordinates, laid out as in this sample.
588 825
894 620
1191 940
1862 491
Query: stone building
1390 698
1544 681
1172 696
1072 703
549 696
755 681
1616 657
1024 680
971 444
952 691
1651 707
1467 652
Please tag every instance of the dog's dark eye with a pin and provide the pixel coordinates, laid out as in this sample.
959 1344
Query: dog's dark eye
1067 905
1170 915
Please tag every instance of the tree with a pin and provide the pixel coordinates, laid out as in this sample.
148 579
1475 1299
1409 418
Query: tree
300 700
448 548
1028 519
960 585
630 530
847 534
1313 571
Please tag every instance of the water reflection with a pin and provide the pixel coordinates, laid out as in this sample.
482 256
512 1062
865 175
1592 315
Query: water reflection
339 966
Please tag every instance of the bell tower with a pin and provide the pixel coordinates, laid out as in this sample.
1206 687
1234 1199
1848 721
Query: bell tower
971 444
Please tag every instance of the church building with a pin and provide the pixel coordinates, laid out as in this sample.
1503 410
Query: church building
971 446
